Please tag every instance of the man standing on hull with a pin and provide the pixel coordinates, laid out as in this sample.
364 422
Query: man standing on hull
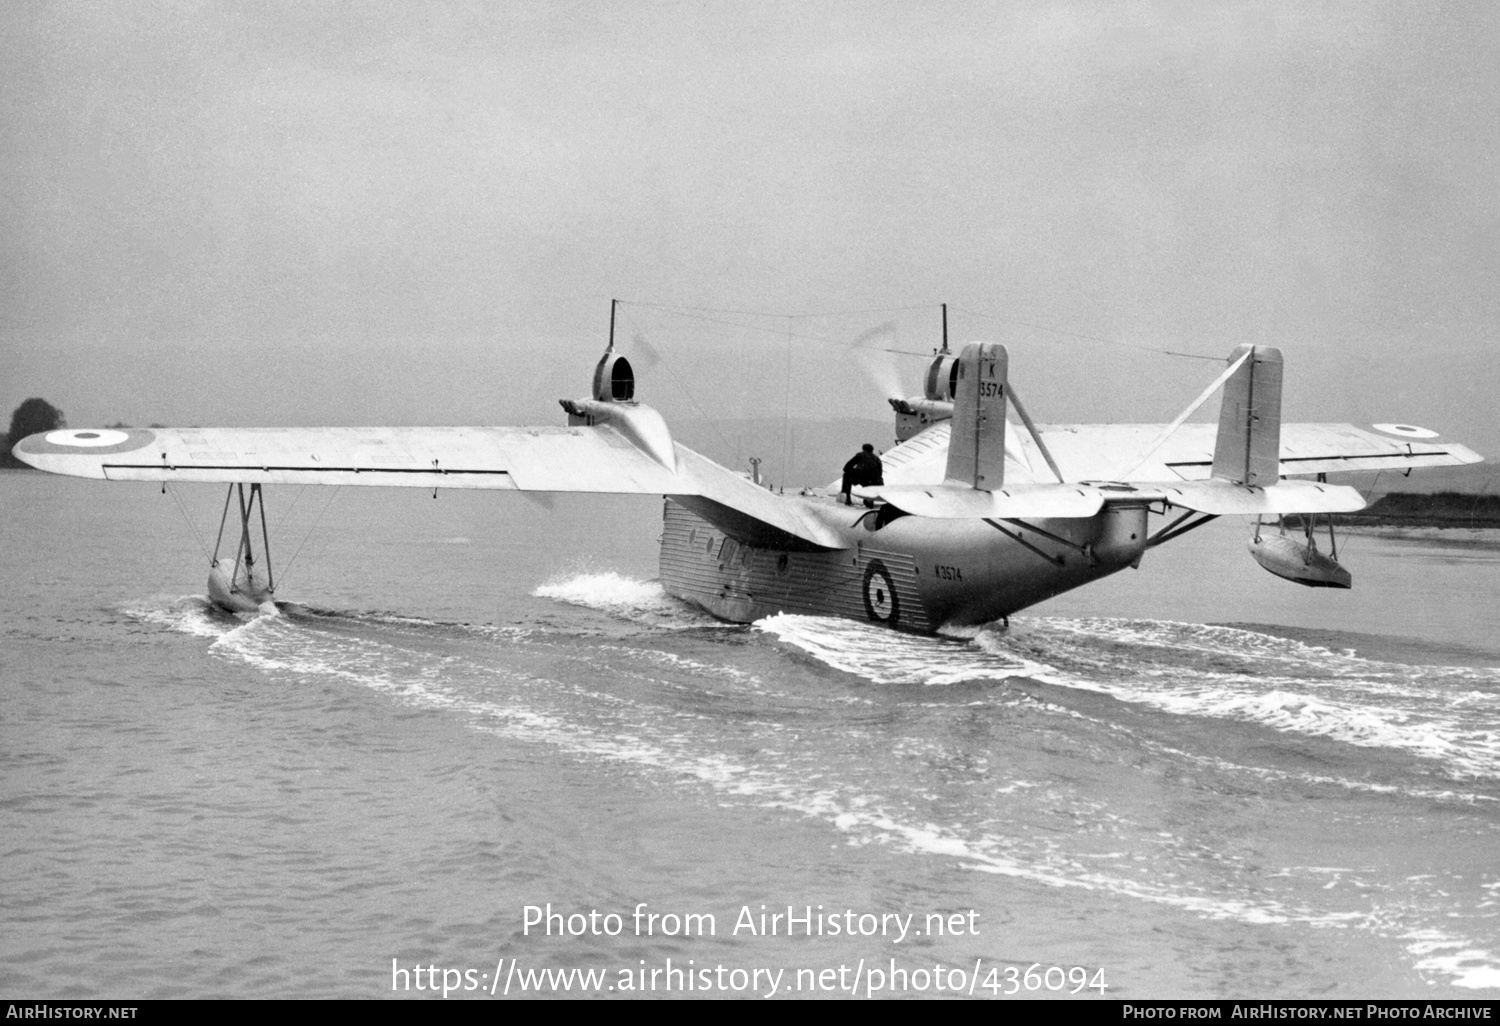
864 469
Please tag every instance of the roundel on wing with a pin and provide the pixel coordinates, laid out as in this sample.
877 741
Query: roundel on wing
96 439
1405 430
881 603
87 442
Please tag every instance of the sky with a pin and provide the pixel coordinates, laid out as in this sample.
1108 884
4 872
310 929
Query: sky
393 213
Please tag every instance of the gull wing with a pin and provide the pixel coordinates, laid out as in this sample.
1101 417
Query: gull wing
1098 451
1178 473
632 458
549 459
746 511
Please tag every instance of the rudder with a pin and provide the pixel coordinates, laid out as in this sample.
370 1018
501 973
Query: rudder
976 445
1247 450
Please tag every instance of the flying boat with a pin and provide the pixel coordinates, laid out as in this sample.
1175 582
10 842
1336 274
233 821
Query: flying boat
982 512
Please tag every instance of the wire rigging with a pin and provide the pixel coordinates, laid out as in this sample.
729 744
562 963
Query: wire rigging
687 393
786 411
1082 336
191 526
681 311
288 511
777 314
287 569
700 313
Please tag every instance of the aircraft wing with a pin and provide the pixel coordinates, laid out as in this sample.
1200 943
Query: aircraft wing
592 458
1101 451
746 511
549 459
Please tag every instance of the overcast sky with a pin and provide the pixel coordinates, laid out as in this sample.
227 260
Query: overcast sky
400 213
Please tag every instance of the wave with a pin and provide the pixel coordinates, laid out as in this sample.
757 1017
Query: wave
189 614
642 602
1448 715
758 762
869 783
883 656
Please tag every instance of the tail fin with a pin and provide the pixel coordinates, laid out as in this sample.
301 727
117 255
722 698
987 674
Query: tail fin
976 446
1248 448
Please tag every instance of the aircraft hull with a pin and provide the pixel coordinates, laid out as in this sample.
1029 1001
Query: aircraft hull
913 574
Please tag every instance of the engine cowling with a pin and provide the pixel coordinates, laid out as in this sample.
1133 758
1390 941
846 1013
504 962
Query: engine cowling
935 403
941 382
614 379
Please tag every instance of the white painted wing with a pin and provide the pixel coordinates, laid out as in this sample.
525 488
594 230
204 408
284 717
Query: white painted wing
596 458
1097 452
749 513
549 459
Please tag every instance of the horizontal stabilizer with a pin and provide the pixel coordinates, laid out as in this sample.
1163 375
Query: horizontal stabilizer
953 502
1216 496
1225 498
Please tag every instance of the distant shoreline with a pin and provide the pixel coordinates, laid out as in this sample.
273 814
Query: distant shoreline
1440 510
1355 522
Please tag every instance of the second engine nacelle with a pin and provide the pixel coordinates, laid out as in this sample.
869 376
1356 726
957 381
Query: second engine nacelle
936 402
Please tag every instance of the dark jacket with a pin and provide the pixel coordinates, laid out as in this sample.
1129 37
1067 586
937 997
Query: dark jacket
864 469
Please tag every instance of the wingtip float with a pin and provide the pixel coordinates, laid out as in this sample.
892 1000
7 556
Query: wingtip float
974 518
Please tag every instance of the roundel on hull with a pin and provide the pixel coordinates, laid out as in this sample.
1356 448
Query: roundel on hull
86 441
1405 430
881 603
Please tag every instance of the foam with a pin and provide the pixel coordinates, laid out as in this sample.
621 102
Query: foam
1230 673
188 614
884 656
1463 964
1449 715
636 600
497 698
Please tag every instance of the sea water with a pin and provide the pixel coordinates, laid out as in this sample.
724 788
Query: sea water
478 712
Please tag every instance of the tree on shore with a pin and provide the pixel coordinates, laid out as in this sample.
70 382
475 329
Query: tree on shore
31 416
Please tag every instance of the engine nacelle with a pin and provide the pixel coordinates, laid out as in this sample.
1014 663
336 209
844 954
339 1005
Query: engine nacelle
614 380
941 383
936 402
613 405
913 415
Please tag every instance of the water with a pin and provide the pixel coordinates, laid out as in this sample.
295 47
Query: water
1200 779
